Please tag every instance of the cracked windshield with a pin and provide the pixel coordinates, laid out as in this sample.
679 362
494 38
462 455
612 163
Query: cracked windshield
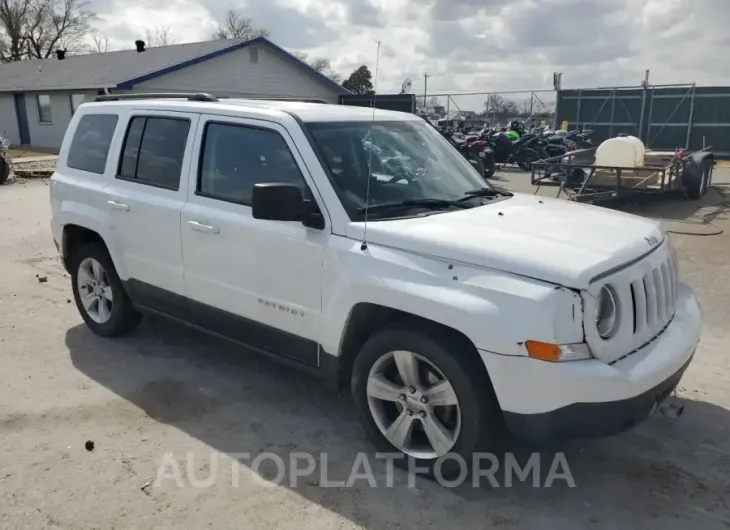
409 165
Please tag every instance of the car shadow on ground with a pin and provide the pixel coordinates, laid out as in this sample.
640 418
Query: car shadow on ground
666 474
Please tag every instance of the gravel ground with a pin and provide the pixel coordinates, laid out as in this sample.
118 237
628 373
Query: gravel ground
165 389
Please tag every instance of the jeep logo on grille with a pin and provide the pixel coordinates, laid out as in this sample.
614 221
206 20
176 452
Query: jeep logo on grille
651 240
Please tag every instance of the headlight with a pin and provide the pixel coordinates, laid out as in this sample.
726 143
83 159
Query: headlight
606 312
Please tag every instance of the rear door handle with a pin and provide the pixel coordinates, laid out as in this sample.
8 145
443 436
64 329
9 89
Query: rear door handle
118 205
200 227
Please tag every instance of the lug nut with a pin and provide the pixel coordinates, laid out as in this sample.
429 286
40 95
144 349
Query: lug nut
422 414
412 390
424 399
409 412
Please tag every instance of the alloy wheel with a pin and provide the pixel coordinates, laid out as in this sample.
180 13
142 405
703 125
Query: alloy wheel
95 290
413 404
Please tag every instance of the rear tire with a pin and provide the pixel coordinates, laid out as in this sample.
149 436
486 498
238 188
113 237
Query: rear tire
696 187
100 296
526 157
478 164
473 424
489 166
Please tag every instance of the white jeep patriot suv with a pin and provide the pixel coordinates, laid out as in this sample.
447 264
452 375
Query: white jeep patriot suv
358 244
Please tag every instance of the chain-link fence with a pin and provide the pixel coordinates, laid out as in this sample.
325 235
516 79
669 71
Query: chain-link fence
493 109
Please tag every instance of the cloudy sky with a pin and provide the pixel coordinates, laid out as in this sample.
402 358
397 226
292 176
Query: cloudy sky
469 45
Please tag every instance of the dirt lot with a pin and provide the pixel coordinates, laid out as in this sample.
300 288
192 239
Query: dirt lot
166 389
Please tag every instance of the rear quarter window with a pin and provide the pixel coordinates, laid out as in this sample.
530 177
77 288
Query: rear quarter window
90 145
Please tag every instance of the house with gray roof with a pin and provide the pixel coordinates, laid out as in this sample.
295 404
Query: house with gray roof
38 97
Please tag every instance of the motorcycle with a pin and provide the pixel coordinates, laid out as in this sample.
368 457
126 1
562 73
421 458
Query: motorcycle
520 152
475 150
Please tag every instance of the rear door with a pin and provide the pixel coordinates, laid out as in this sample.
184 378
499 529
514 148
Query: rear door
145 199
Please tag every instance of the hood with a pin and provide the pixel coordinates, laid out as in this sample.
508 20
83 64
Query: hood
557 241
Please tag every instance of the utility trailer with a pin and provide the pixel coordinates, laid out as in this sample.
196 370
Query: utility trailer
663 171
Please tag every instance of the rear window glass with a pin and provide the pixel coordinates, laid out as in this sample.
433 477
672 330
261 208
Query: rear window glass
91 141
154 150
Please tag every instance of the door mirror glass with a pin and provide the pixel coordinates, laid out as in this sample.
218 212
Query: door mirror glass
279 201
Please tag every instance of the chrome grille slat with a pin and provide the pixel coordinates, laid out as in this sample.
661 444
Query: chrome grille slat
659 289
668 300
637 288
651 310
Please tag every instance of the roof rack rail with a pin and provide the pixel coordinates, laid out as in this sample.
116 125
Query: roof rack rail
191 96
282 98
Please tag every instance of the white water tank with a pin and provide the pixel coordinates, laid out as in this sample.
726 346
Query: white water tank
624 151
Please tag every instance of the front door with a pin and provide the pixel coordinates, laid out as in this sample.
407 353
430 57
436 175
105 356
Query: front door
253 280
21 114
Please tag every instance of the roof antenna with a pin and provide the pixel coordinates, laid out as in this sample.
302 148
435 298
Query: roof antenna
364 244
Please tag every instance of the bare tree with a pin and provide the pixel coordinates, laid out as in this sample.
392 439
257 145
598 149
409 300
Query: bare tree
37 28
160 36
14 16
236 26
428 106
99 44
321 65
58 24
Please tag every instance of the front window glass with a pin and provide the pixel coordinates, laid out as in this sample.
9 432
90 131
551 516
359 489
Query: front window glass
404 160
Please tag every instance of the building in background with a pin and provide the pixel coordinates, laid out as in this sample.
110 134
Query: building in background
38 97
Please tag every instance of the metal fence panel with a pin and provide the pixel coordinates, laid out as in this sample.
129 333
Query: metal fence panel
398 102
663 116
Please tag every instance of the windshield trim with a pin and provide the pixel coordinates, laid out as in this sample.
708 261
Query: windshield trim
317 149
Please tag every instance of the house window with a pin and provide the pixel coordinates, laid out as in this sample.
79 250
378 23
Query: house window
44 108
76 100
253 54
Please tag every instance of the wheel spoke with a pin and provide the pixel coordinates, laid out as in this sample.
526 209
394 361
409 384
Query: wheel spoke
407 367
399 433
379 387
104 310
441 394
87 299
85 276
438 436
107 293
98 271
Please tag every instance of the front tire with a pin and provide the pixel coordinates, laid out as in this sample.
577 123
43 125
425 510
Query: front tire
420 392
99 294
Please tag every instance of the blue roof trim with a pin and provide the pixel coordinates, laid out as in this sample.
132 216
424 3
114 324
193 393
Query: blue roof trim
129 83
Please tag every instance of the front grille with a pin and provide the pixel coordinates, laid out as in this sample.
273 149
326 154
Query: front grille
654 296
646 291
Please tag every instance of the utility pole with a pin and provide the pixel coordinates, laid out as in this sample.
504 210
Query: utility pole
425 88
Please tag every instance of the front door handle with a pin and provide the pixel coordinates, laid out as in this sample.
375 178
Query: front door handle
118 206
200 227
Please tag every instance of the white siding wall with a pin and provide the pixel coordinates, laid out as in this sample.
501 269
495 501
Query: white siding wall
8 119
50 135
233 74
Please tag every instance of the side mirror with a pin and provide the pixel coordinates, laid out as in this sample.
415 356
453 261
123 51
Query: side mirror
279 201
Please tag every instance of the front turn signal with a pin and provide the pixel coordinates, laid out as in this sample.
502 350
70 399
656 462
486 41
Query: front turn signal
547 351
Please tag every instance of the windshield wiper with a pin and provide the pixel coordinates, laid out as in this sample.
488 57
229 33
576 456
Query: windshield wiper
486 192
430 203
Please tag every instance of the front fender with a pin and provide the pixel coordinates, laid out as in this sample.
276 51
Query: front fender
497 311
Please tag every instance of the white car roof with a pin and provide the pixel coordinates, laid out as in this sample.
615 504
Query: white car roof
306 112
